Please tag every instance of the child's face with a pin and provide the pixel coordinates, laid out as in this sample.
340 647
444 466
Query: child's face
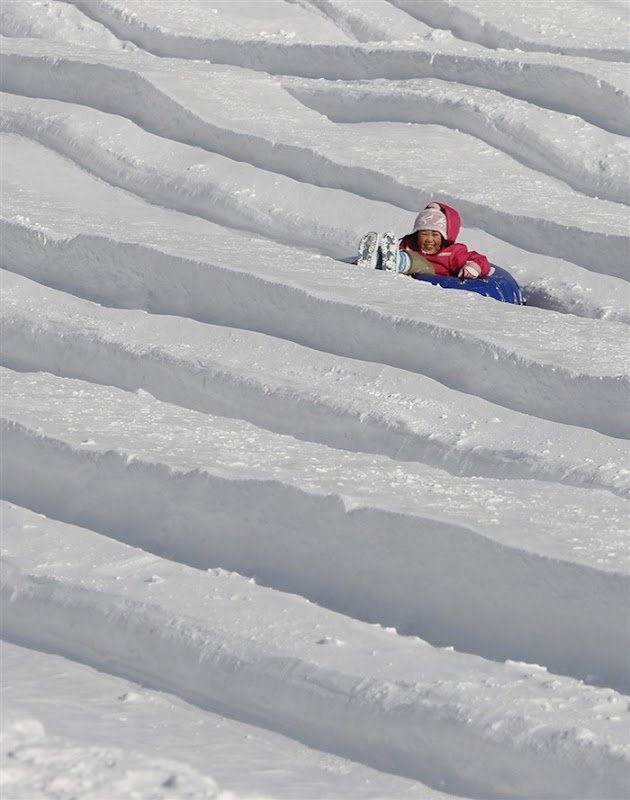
429 241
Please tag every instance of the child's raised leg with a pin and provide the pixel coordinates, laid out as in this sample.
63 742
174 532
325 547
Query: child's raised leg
369 251
390 251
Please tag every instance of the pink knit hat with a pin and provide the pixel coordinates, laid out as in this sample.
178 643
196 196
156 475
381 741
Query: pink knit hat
431 219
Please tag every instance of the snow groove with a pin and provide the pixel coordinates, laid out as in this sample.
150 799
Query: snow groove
399 724
467 23
238 521
594 244
339 402
520 75
536 383
514 127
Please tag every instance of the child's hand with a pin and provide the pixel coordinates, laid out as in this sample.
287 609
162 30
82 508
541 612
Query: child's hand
469 270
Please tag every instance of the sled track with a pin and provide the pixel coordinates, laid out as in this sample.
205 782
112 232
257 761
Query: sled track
198 394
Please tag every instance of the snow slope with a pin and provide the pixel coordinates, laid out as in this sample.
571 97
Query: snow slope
274 527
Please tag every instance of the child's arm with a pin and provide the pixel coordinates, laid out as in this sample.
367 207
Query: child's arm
467 263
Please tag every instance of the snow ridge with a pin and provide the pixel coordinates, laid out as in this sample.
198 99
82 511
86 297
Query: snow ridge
595 243
449 622
532 382
265 684
585 95
469 24
325 401
515 127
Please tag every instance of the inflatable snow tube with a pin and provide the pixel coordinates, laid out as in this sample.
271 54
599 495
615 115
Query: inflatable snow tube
500 285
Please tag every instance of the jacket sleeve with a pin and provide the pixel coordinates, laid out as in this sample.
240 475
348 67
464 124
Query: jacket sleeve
459 254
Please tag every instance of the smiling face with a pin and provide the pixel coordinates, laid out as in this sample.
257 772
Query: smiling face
429 241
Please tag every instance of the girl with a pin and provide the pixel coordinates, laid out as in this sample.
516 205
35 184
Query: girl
429 249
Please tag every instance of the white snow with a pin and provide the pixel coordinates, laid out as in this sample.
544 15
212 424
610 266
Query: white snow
273 527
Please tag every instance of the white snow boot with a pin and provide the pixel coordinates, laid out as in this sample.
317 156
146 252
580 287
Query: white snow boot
369 251
390 252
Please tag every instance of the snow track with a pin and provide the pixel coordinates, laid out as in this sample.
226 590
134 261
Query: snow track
590 87
241 520
300 145
294 678
368 515
531 135
341 402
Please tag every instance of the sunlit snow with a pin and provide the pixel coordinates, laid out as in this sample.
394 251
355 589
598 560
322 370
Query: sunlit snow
275 527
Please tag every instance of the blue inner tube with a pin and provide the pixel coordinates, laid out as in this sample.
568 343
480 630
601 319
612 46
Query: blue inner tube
500 285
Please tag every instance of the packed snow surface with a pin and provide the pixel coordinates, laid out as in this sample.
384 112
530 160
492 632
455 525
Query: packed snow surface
275 527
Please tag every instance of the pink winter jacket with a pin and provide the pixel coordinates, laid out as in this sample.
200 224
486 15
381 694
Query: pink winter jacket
451 257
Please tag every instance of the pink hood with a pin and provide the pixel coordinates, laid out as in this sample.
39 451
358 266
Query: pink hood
453 223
